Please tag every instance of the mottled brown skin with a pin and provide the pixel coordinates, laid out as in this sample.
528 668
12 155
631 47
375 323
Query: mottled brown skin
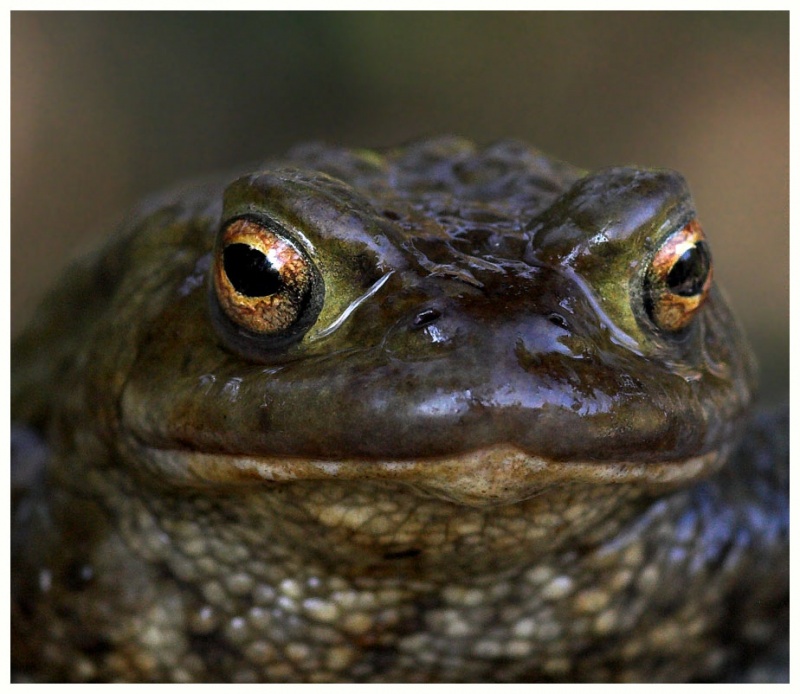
474 456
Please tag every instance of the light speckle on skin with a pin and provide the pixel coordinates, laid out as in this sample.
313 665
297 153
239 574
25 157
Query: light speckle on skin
85 669
555 665
331 469
634 555
340 658
332 515
591 600
259 618
282 671
605 622
237 630
245 676
182 675
695 626
45 580
347 599
451 622
621 579
417 643
298 652
204 620
263 593
321 610
261 652
549 630
291 588
239 583
214 592
469 597
233 553
381 525
559 587
206 566
648 579
665 634
539 574
357 623
153 636
518 648
549 520
499 591
471 524
487 649
524 628
287 604
231 388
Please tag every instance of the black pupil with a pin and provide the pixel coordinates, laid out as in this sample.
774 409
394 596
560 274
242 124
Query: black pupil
689 273
250 272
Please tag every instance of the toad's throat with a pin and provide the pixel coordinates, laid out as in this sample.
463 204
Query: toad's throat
498 474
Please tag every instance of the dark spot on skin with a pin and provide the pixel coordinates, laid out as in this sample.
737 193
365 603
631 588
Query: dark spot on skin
29 456
403 554
426 317
25 605
367 270
212 649
78 576
380 658
541 182
95 646
186 362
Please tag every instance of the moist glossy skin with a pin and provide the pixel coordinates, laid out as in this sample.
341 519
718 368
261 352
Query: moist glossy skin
483 443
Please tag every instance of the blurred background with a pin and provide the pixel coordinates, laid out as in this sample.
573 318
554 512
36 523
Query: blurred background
107 107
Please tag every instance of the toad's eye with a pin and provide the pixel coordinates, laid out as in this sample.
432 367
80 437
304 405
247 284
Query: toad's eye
263 282
678 279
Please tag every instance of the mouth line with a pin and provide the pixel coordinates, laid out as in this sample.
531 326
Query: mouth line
493 475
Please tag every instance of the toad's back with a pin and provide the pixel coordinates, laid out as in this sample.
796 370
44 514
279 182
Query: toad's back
431 414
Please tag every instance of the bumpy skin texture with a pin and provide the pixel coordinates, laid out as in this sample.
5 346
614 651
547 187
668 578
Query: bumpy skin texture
474 458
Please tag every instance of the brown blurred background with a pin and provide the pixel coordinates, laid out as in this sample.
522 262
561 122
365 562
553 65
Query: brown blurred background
109 106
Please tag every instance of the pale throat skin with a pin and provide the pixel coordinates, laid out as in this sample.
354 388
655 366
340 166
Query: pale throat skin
436 413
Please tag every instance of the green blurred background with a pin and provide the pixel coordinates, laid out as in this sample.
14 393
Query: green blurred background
109 106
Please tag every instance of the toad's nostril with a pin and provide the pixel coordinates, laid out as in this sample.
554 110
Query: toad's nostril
426 317
558 320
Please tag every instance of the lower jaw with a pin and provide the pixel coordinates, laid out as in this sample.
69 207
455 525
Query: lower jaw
491 476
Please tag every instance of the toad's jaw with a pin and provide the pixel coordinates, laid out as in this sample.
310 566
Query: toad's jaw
499 474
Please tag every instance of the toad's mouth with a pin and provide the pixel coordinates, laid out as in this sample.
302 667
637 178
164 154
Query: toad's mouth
498 474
